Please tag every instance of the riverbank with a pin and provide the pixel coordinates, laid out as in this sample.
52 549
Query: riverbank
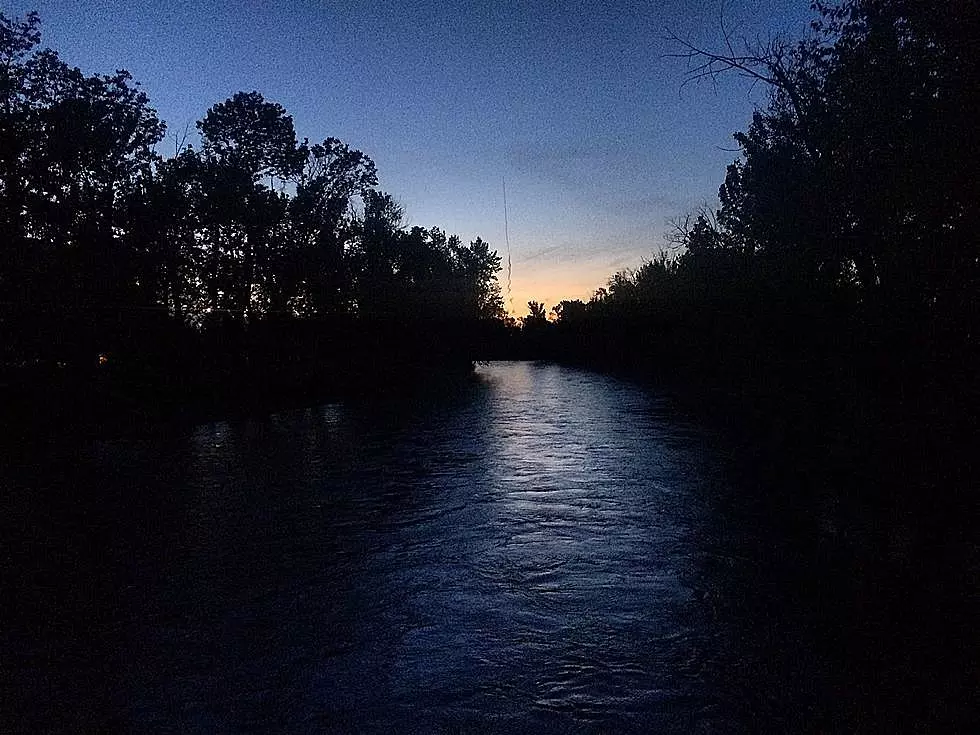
119 397
856 396
849 425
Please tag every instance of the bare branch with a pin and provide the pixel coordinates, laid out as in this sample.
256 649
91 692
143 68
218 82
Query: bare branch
769 63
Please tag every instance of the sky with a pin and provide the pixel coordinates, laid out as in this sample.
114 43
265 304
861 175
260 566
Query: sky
574 108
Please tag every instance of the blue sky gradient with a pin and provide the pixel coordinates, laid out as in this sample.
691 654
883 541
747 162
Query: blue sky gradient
573 104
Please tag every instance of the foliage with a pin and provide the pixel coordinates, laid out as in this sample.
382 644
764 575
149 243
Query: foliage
107 241
74 149
857 190
838 274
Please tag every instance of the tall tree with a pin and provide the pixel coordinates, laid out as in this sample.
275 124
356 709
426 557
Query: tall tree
316 270
245 139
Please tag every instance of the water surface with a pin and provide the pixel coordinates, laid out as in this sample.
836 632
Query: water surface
539 549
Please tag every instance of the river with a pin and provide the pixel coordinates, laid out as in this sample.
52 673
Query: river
538 549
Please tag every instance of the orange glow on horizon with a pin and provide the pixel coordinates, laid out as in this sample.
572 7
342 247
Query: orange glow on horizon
550 288
549 273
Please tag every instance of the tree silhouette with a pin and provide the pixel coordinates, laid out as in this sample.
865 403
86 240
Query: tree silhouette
315 273
856 173
245 139
844 239
250 250
74 149
536 312
247 133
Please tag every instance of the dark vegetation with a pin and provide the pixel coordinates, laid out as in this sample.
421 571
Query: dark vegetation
832 292
250 269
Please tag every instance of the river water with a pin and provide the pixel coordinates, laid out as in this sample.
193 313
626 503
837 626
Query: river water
538 549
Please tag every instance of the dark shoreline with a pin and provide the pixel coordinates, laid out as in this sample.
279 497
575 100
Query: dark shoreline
90 405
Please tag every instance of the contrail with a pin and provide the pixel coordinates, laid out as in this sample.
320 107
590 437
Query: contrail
510 297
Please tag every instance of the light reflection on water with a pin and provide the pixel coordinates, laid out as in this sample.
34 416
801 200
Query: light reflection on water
509 555
538 550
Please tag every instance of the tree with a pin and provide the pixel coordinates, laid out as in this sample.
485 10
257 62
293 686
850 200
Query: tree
480 266
316 270
245 139
108 245
166 216
375 257
857 172
74 150
254 136
570 311
537 315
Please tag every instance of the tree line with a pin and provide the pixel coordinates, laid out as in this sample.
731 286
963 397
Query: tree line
846 231
842 247
248 246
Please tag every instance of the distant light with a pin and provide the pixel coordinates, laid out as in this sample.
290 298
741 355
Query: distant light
103 358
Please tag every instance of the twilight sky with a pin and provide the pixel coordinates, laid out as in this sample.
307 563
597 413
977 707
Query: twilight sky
572 103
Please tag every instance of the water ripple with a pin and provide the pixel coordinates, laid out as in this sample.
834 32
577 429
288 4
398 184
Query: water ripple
535 553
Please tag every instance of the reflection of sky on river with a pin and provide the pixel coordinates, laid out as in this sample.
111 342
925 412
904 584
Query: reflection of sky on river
520 549
540 550
590 585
